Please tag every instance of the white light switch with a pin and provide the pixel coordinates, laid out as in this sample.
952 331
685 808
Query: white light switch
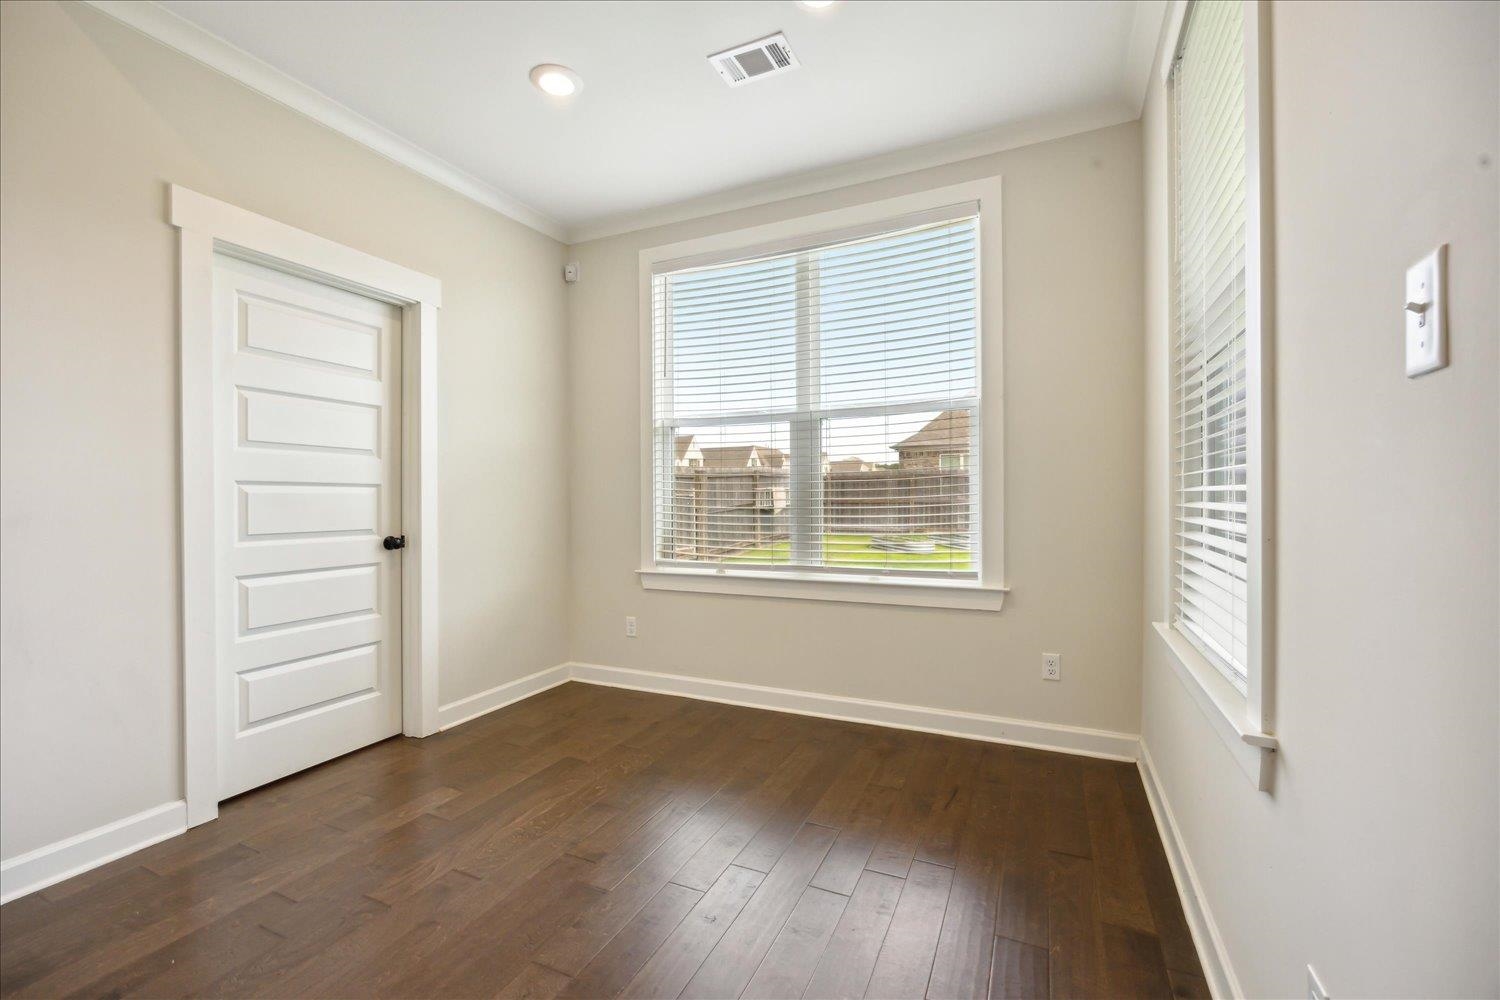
1426 319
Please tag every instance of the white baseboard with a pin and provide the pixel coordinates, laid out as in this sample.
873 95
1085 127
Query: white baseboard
44 866
27 873
992 728
458 712
1222 982
75 855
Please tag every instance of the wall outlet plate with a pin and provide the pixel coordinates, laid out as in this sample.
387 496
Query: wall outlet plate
1315 990
1051 666
1427 314
630 626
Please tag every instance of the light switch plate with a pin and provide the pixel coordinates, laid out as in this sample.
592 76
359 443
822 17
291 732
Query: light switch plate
1426 314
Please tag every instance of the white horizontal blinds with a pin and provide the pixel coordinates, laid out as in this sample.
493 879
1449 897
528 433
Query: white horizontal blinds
1209 419
819 409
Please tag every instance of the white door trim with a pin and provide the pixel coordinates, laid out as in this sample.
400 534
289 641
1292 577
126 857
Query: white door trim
206 226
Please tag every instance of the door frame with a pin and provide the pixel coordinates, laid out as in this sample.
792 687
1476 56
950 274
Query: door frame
206 226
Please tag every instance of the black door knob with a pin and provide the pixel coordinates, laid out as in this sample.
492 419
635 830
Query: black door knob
394 542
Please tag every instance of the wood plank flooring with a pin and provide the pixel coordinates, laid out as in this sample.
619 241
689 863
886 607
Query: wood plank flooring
595 842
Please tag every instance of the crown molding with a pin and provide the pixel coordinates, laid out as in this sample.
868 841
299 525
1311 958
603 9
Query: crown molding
1140 52
162 25
874 168
175 32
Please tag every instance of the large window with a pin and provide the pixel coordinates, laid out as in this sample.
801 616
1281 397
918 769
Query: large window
815 409
1214 349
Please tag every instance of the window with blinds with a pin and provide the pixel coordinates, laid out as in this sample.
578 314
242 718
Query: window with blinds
1209 418
818 410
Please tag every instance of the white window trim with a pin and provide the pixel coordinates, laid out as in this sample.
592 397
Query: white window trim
987 592
206 226
907 590
1243 721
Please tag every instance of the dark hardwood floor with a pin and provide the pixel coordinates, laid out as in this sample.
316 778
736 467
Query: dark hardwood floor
594 842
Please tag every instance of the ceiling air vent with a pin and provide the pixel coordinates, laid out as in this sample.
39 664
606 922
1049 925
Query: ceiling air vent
754 60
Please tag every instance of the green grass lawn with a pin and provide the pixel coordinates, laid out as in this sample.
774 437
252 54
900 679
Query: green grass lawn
855 550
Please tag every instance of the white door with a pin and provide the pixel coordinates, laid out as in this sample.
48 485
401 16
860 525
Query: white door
307 465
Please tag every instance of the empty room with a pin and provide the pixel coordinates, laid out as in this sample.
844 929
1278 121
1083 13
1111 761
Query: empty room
769 499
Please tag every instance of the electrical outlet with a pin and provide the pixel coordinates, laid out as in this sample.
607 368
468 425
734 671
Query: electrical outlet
1315 990
1051 666
630 626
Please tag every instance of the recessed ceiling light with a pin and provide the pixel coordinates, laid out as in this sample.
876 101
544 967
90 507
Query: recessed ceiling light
558 81
814 4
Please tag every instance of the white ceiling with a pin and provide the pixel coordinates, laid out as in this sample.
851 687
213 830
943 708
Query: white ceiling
654 125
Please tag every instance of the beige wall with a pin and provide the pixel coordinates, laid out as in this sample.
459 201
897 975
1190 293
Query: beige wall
1375 858
1072 346
95 120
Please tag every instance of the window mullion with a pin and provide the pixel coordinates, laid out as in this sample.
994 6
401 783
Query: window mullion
806 499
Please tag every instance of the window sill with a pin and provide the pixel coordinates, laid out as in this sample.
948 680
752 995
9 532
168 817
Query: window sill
811 587
1222 705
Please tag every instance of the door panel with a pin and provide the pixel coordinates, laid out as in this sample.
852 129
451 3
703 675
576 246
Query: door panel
276 419
314 680
307 381
287 509
309 336
302 597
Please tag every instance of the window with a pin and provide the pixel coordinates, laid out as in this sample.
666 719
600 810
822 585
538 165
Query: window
832 387
1216 389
